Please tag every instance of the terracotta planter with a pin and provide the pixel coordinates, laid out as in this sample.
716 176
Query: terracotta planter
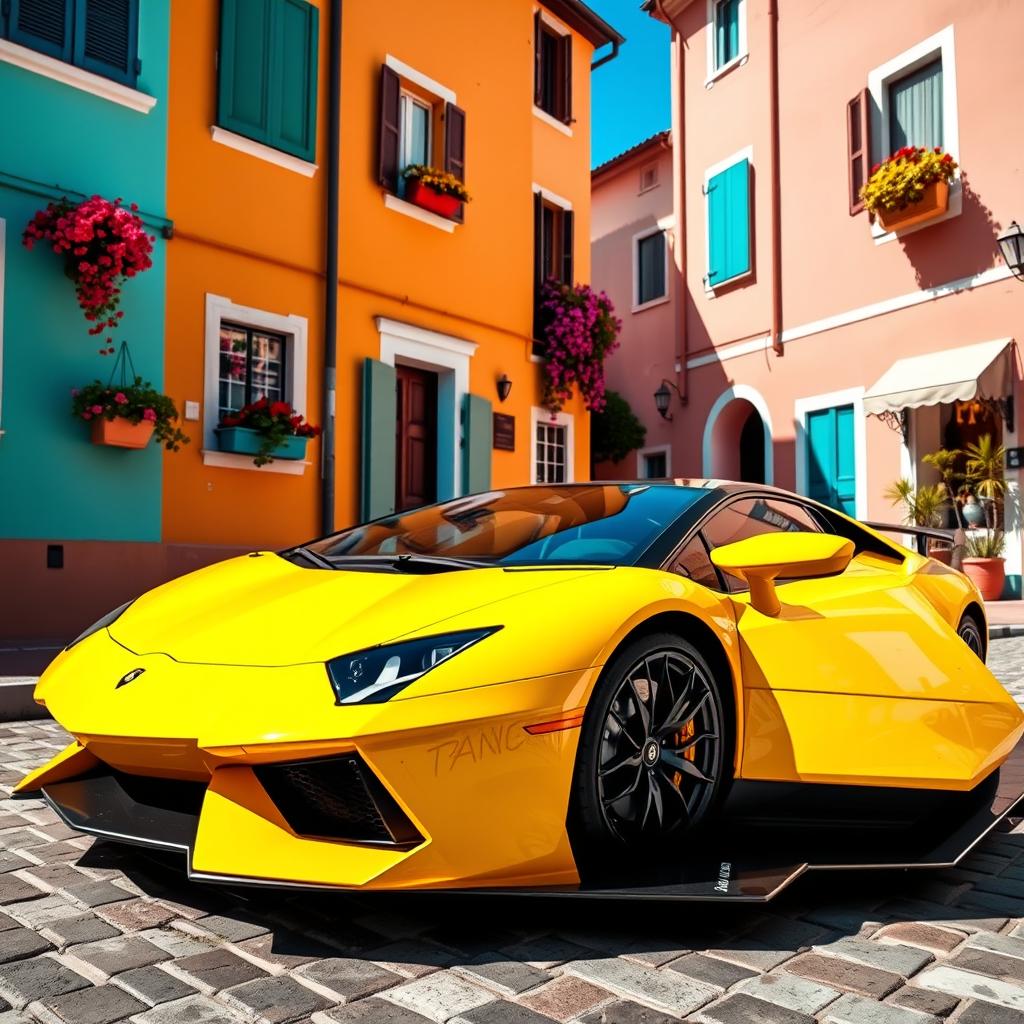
436 202
933 203
988 574
121 433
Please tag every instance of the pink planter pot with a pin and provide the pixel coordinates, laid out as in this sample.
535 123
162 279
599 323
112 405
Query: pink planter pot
988 574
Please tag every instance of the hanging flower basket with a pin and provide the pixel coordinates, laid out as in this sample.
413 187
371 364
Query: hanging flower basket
121 433
102 244
267 431
909 188
434 190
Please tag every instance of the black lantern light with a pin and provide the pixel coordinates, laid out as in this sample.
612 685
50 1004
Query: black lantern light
504 387
1011 244
663 398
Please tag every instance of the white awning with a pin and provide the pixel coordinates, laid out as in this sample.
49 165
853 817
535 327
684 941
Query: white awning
956 375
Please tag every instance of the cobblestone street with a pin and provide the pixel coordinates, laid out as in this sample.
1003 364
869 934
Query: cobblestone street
93 933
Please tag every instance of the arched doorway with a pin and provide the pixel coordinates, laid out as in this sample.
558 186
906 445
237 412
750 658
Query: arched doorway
738 437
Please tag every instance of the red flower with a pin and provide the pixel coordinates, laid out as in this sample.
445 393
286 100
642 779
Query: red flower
280 409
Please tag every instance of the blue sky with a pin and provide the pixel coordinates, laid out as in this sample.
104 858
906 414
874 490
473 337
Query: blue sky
630 93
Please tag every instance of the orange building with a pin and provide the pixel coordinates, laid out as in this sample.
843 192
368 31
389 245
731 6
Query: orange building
431 312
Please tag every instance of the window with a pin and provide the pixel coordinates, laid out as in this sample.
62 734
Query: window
727 190
552 78
100 36
416 116
650 261
552 249
693 563
915 108
552 455
653 464
268 73
727 32
252 366
649 178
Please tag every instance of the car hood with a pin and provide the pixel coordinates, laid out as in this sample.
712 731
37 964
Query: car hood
261 609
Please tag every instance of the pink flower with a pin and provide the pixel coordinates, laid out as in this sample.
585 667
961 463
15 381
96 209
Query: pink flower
121 398
74 392
86 415
149 415
96 409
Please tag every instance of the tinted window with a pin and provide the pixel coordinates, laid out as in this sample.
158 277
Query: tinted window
608 525
693 563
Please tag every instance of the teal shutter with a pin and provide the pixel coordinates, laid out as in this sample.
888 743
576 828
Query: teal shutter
268 73
846 469
728 199
42 25
106 38
831 458
477 441
727 31
380 415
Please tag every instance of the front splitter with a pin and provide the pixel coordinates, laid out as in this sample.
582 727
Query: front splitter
767 835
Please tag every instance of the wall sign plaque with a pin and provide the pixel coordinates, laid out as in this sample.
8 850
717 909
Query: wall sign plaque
504 432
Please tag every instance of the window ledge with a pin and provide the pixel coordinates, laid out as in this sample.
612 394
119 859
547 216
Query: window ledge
262 152
956 206
737 62
711 292
231 460
77 78
547 118
392 202
650 304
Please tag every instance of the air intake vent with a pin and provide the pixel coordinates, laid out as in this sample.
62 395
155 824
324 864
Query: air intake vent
337 798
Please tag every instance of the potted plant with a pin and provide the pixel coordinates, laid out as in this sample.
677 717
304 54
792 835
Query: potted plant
435 190
984 561
102 244
910 187
127 416
267 431
580 331
922 507
984 564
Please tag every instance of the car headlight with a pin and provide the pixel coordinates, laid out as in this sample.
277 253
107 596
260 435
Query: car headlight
377 674
99 624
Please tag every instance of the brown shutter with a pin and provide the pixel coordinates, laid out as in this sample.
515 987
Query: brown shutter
567 232
455 145
858 138
387 153
537 59
566 45
538 259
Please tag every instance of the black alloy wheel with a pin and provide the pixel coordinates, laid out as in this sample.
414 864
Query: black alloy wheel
970 632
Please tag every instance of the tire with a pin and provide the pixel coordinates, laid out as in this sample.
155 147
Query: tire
654 761
970 631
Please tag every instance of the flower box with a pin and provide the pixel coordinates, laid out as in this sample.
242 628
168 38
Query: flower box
121 433
427 198
933 203
244 441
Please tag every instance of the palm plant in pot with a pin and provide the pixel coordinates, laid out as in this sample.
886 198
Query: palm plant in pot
922 506
984 561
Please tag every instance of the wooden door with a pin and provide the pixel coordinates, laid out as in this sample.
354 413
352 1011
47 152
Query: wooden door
416 434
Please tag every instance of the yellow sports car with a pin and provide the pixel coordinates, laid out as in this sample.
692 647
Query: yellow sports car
550 687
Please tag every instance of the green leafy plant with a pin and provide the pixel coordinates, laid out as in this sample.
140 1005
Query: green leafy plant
946 462
616 430
922 506
137 402
985 544
275 422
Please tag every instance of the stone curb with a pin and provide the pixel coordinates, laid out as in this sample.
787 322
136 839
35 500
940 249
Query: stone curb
16 703
1003 632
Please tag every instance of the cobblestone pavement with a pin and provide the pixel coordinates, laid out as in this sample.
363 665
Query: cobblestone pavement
93 933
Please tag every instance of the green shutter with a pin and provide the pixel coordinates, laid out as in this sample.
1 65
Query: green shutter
268 73
106 38
728 196
380 414
477 441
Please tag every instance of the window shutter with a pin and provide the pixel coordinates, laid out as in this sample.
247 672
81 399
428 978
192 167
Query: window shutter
566 44
43 25
477 442
106 38
379 415
387 153
538 260
455 145
294 55
728 206
858 138
538 61
244 68
567 246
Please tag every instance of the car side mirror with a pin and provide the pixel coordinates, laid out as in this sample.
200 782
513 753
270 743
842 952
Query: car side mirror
759 561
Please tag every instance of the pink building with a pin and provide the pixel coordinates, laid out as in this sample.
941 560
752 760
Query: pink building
786 314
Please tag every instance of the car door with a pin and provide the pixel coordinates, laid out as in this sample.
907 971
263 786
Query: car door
858 679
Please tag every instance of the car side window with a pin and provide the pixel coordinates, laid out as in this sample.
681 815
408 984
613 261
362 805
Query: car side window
752 517
694 563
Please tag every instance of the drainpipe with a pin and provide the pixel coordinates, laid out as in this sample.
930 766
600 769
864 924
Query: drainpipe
773 72
678 197
332 170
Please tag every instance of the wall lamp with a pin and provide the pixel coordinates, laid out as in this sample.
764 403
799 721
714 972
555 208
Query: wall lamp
1011 244
504 387
663 398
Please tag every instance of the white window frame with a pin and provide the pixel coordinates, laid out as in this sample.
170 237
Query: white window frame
448 357
405 129
638 306
296 332
538 112
562 419
747 153
830 400
654 449
942 45
743 54
3 271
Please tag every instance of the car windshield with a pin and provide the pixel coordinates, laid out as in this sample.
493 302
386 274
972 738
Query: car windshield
603 525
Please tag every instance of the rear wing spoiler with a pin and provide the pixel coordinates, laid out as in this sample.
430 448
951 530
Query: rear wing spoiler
950 539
